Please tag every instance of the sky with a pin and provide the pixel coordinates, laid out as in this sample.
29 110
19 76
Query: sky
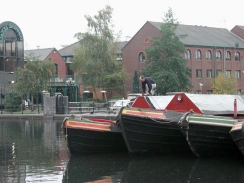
53 23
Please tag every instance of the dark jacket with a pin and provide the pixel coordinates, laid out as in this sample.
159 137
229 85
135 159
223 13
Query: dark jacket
149 81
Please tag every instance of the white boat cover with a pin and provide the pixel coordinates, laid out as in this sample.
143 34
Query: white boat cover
208 104
160 102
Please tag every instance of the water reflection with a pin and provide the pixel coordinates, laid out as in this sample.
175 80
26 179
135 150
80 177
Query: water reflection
100 167
32 151
185 169
36 151
167 168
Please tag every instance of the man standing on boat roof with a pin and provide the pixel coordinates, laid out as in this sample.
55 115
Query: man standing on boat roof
148 85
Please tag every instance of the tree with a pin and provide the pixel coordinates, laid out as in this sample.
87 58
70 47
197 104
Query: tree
164 62
35 77
13 101
96 57
224 84
136 83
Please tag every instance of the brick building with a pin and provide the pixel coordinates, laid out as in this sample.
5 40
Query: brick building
209 51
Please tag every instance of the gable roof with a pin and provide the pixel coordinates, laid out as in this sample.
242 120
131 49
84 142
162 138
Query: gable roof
205 36
241 26
207 104
121 45
69 50
40 53
199 103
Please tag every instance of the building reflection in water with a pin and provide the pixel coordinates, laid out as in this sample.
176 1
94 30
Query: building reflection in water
32 151
36 151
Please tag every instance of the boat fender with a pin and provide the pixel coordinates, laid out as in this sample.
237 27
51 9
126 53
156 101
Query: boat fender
183 123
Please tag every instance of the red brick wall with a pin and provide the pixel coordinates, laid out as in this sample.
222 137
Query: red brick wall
137 44
131 53
57 59
238 31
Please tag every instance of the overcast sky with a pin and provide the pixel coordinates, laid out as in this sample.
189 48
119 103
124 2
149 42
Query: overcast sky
52 23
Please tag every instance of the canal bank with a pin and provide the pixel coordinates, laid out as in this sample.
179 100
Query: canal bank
55 117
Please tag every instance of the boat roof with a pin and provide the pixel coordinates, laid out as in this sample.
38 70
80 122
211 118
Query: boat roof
155 102
199 103
217 103
160 102
208 104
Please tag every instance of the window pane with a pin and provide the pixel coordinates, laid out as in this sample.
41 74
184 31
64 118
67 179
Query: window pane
209 73
237 56
13 49
218 55
228 73
238 74
199 73
188 55
228 55
1 64
141 57
199 92
198 55
10 35
218 72
7 48
20 49
209 91
208 55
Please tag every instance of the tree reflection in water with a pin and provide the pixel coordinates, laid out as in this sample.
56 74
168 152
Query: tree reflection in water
36 151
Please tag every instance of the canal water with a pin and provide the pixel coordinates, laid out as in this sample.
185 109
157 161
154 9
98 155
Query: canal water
36 151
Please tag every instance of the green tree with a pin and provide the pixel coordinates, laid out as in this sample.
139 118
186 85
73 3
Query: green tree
96 57
136 83
13 101
224 84
164 62
35 77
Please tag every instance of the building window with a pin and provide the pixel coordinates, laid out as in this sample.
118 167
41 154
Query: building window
209 73
119 57
238 92
208 55
198 92
141 57
198 55
237 56
188 55
238 74
199 73
56 69
228 73
218 72
209 91
218 55
228 55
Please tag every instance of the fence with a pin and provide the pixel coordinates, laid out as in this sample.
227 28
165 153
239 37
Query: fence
82 107
73 107
22 109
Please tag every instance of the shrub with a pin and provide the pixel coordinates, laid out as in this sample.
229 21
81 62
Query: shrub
12 102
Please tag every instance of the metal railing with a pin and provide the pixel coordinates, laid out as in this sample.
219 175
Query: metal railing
82 107
73 107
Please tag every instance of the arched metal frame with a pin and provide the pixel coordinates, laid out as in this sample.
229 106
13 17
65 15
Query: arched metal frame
11 47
